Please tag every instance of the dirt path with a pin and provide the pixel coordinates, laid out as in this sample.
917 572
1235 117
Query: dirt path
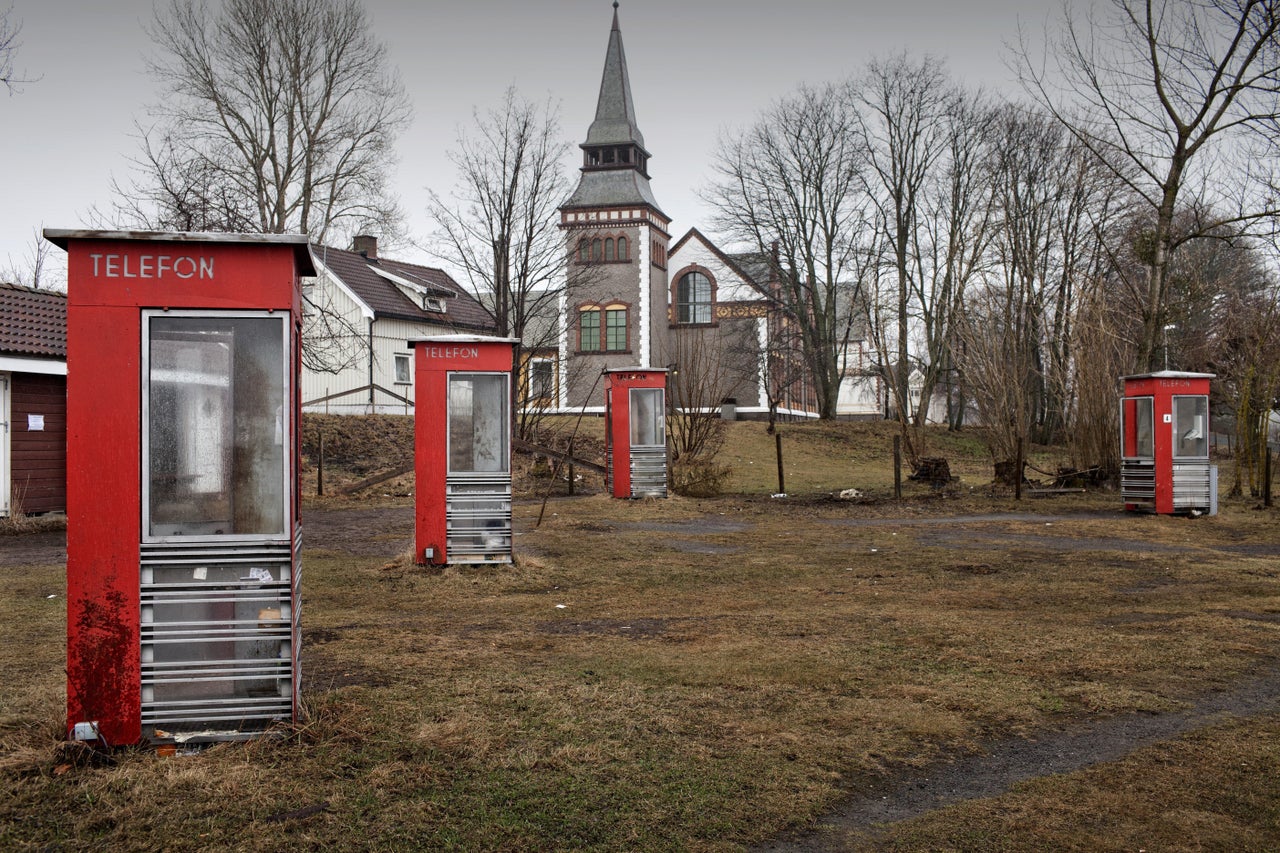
33 549
1008 762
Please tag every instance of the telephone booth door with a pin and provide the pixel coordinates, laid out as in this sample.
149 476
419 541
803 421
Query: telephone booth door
636 433
1164 440
183 532
463 447
217 565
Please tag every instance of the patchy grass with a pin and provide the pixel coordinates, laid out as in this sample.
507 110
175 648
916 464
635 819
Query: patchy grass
1215 789
704 674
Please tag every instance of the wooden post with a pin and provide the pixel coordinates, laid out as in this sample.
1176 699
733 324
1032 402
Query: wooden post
897 467
777 443
1017 473
1266 477
320 468
571 467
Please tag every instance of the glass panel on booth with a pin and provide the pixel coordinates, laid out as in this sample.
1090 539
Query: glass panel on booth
215 447
1191 427
648 423
1138 428
478 423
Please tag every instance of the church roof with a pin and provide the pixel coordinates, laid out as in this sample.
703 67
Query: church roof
625 183
615 122
610 189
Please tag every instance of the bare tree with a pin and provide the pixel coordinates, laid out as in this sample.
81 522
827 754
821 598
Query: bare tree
1052 205
275 117
501 228
10 76
958 225
41 266
1094 430
696 383
1170 94
903 106
789 187
1247 362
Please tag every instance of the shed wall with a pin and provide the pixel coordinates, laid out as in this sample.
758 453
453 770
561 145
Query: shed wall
39 457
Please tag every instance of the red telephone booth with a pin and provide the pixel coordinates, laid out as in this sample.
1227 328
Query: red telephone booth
462 438
635 433
183 534
1164 438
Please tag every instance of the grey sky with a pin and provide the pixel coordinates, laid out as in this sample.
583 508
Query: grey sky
697 67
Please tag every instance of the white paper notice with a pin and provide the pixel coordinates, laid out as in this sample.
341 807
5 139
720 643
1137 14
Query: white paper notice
35 423
201 573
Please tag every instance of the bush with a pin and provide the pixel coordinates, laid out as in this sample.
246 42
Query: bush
699 477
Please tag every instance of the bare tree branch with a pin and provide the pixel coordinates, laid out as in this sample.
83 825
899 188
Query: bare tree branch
276 117
790 188
1172 95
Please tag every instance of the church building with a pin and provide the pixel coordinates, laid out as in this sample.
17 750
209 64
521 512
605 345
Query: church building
633 298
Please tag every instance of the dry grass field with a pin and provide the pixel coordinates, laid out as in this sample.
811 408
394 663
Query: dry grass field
723 674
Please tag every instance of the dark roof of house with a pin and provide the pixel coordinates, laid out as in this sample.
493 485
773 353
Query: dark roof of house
33 322
386 299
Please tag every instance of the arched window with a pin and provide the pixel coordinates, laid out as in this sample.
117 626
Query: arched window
596 249
608 248
622 249
583 250
693 298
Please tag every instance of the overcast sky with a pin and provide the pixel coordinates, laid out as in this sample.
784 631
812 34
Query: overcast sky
698 68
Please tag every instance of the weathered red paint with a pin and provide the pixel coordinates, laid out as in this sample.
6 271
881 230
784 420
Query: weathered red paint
109 283
1161 388
617 405
434 360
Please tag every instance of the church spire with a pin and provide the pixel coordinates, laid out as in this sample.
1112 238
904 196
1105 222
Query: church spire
615 164
615 122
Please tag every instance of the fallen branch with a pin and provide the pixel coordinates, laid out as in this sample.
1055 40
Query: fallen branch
376 479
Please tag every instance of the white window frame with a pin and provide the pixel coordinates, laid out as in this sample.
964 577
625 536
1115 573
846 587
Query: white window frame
408 363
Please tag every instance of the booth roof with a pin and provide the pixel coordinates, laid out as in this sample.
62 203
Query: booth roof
62 237
1171 374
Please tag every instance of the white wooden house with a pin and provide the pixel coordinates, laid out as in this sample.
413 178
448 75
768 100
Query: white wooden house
361 310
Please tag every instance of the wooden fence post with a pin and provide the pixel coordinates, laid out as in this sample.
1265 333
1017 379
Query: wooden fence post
777 443
897 467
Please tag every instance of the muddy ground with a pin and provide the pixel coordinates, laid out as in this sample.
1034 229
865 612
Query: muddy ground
875 803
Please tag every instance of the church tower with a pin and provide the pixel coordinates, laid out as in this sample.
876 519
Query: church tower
615 303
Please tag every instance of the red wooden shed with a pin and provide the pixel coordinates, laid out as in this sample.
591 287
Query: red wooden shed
33 400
